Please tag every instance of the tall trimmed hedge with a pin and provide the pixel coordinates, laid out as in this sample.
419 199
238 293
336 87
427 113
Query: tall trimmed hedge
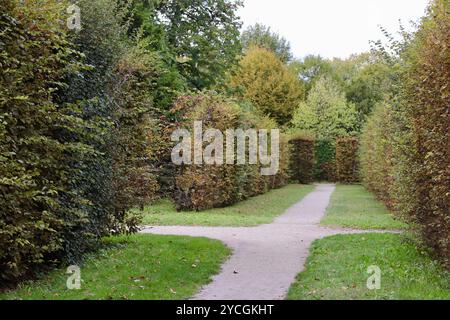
74 112
35 159
200 187
325 168
347 163
302 159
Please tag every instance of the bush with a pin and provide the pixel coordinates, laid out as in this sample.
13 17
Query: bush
325 153
376 154
63 133
427 99
347 160
302 160
268 84
35 159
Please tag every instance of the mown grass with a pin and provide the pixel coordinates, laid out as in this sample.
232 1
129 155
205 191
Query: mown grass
337 270
353 206
252 212
138 267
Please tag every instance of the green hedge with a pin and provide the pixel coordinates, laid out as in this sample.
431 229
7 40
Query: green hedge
302 159
347 163
74 111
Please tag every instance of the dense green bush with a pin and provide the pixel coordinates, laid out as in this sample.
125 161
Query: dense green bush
325 152
200 187
302 159
347 160
405 145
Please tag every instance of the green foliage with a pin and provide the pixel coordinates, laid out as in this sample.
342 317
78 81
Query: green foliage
266 82
133 180
410 160
337 270
68 173
376 154
302 159
261 36
310 70
347 165
326 112
201 38
261 209
353 206
138 267
35 160
201 187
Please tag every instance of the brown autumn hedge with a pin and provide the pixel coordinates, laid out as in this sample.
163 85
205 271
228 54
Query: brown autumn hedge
347 160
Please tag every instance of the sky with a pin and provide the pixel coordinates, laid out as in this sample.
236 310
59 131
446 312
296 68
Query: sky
331 28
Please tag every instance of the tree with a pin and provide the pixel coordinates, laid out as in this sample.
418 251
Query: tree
266 82
326 112
201 37
261 36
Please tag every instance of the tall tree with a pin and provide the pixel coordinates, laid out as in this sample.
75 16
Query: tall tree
261 36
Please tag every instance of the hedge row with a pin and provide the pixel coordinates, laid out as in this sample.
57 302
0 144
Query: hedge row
302 159
347 165
325 168
406 146
74 109
200 187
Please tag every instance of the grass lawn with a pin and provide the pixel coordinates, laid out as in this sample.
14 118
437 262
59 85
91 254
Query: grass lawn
337 269
136 267
353 206
252 212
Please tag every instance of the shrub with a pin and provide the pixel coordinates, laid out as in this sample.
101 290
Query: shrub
325 153
302 160
35 159
405 146
376 154
347 160
200 187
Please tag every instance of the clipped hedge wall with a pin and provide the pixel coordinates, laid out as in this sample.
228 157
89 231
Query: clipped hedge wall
347 163
427 97
405 154
200 187
325 168
302 160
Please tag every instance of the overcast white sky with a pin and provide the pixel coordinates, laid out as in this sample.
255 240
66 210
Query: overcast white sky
331 28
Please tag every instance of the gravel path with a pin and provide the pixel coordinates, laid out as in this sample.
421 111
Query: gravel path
267 258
